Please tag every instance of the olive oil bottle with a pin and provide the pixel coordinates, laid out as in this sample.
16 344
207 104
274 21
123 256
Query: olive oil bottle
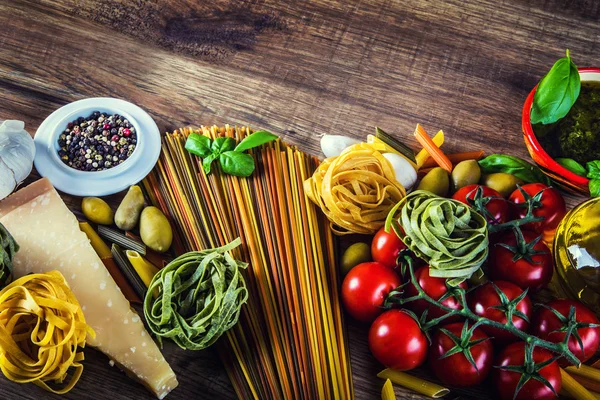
577 253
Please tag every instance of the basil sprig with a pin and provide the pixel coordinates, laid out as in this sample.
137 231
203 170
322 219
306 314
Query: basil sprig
8 249
200 295
232 158
520 168
556 92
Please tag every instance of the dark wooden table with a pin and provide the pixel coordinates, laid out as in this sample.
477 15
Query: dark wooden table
299 69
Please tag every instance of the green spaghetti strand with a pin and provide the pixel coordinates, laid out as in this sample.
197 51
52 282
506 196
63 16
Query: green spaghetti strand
200 297
446 233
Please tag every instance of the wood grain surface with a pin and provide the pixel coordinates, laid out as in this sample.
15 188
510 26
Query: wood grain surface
299 69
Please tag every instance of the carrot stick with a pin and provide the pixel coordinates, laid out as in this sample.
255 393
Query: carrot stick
432 149
455 158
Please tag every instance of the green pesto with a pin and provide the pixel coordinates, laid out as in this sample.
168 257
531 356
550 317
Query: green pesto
577 135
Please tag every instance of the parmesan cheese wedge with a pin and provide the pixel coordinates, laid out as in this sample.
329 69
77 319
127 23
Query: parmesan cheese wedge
50 239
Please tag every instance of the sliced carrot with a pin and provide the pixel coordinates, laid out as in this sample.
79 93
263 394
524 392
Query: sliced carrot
456 158
434 151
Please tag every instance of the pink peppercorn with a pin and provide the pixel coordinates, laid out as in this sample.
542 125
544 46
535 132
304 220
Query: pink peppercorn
115 138
106 126
126 132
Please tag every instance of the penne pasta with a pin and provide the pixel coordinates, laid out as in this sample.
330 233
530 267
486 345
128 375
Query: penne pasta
423 155
573 388
387 391
419 385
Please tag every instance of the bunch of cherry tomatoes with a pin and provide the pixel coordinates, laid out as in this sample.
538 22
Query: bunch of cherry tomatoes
459 354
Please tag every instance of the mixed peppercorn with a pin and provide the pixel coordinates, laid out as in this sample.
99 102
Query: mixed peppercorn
98 142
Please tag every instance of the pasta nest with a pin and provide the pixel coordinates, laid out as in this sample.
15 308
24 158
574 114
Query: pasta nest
41 328
355 190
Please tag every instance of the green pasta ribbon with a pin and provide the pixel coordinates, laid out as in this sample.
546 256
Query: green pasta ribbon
200 297
446 233
8 249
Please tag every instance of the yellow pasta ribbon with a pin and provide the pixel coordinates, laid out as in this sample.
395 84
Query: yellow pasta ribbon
41 327
355 190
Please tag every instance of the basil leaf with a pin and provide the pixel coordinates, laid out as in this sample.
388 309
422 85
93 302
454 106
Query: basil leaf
595 187
198 145
207 161
222 144
593 169
236 163
571 165
556 93
513 165
254 140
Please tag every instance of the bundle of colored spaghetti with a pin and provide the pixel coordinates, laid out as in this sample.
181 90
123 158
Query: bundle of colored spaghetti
290 340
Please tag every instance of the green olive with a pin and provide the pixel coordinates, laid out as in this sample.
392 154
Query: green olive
355 254
465 173
155 229
128 213
502 182
97 210
436 181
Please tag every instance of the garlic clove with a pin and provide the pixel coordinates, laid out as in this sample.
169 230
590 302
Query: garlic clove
333 145
405 173
7 180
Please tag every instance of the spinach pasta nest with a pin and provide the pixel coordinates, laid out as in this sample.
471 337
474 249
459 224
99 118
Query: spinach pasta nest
446 233
355 190
200 295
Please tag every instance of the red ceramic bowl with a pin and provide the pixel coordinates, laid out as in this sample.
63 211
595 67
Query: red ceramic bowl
562 176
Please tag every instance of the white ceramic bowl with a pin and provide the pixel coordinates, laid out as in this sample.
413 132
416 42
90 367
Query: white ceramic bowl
96 183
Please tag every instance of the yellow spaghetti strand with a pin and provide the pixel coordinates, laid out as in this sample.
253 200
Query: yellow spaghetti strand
41 327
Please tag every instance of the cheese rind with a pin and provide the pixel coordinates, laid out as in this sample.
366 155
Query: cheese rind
50 239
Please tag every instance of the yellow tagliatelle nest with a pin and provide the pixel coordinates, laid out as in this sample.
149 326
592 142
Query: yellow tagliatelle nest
41 327
355 190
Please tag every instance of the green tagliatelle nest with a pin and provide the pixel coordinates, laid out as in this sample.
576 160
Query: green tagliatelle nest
200 295
446 233
8 248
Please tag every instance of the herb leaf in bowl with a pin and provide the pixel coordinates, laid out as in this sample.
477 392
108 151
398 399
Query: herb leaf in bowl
556 92
572 166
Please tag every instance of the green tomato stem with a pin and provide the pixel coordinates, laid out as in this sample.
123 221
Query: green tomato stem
557 348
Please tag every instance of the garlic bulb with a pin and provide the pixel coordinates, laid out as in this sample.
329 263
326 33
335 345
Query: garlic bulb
17 150
333 145
405 173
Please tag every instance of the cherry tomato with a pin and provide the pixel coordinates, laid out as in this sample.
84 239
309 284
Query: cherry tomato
365 288
497 209
546 325
551 206
505 382
396 341
456 370
386 247
482 299
435 288
530 271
